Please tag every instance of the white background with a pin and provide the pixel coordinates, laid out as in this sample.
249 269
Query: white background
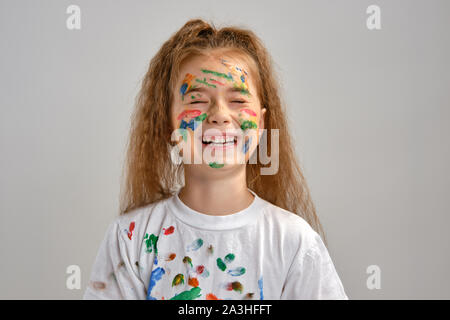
369 111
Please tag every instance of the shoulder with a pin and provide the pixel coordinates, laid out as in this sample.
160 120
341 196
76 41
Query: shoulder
134 223
291 228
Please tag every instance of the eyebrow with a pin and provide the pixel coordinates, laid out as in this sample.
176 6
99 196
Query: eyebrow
196 89
231 89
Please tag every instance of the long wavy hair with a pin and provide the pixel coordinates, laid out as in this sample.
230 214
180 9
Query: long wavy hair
149 173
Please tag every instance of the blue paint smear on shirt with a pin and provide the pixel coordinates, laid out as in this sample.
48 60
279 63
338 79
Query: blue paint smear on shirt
260 285
155 276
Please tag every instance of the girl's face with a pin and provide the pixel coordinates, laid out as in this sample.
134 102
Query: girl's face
216 112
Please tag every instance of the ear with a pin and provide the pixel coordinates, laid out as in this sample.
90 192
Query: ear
261 119
261 122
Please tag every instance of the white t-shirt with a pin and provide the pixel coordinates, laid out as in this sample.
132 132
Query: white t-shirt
166 250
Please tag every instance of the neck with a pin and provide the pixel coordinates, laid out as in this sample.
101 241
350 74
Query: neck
223 194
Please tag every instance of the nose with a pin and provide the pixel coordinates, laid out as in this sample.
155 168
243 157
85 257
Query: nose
219 116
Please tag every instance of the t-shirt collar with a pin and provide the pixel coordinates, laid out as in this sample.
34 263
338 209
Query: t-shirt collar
212 222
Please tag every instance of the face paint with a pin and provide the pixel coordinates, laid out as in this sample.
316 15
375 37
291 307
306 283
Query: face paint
186 85
205 83
247 119
216 82
240 77
189 114
247 145
219 74
216 165
235 75
190 119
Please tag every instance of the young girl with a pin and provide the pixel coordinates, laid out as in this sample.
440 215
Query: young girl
239 227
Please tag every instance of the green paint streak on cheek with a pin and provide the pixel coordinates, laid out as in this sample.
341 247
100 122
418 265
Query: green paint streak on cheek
201 117
216 165
248 124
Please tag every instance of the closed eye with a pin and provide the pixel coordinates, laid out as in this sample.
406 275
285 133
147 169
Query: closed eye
238 101
194 102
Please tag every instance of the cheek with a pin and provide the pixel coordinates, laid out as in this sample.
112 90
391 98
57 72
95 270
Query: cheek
248 119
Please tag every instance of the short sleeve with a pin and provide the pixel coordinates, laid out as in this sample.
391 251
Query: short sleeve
112 276
312 275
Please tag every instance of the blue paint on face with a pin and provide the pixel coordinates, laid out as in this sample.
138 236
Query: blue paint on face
247 145
183 88
191 124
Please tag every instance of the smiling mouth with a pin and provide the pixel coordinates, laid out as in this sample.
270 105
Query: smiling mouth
219 141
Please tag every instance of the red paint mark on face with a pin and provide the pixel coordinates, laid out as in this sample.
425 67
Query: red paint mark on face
189 114
130 230
250 112
216 82
200 269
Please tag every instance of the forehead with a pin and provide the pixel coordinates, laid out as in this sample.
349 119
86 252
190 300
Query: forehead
220 66
217 61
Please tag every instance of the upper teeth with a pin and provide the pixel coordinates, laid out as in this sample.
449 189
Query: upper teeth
218 139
